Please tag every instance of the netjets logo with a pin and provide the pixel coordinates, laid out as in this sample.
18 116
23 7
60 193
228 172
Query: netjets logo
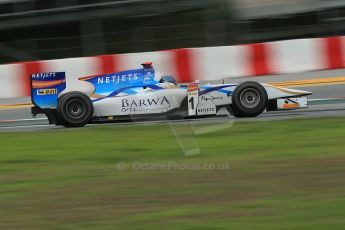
116 79
145 102
43 75
206 110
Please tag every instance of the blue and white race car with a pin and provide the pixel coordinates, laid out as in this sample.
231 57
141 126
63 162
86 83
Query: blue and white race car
136 93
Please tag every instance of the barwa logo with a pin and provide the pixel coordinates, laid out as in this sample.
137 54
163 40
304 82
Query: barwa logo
145 102
116 79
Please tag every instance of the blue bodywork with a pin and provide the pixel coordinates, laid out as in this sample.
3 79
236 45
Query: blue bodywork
125 81
46 87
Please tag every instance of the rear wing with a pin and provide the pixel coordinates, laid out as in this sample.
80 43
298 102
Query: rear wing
46 87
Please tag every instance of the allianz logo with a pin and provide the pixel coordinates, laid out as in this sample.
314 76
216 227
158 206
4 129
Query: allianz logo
127 103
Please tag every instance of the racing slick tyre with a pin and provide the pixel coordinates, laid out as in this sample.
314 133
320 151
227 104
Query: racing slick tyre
74 109
249 100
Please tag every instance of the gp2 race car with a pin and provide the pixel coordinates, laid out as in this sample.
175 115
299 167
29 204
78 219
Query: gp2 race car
135 93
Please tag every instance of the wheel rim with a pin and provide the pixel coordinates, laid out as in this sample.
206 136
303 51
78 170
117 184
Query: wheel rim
250 98
75 109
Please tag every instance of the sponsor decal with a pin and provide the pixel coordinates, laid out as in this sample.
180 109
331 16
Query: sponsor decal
206 110
43 75
131 105
116 79
42 92
42 84
193 87
210 98
291 106
292 103
147 77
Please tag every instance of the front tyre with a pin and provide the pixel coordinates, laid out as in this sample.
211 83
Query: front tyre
74 109
249 99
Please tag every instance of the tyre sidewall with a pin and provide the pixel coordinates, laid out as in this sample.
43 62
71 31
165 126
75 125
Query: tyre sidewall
62 112
249 112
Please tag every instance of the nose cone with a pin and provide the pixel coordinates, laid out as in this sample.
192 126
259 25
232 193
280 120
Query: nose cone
299 92
307 92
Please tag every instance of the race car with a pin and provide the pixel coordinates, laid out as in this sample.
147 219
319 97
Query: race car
136 93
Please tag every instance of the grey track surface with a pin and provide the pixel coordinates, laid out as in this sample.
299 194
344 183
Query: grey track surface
325 91
21 120
295 76
323 109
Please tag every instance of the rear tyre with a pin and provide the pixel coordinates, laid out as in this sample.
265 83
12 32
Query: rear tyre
249 100
74 109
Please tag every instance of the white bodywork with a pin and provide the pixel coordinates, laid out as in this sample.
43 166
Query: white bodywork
136 92
160 101
147 101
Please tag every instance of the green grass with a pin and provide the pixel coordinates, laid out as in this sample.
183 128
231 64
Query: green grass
284 175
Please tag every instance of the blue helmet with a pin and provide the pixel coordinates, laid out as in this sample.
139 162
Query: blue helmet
169 79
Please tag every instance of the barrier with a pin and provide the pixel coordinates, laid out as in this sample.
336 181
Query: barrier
188 64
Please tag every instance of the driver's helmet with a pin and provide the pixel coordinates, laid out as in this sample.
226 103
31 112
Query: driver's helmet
168 79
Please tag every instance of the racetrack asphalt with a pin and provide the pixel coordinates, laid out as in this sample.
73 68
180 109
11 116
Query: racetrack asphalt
20 119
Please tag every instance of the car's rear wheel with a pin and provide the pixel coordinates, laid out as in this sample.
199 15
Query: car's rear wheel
74 109
249 100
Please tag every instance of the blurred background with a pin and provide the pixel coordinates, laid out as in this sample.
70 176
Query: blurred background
284 174
51 29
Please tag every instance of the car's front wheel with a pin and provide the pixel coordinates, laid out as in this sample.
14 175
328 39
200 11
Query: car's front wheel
249 100
74 109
